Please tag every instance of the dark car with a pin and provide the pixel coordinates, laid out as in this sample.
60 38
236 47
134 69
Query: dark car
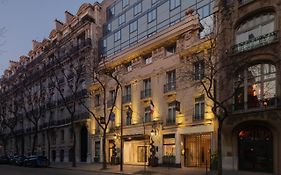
12 159
4 160
19 160
36 161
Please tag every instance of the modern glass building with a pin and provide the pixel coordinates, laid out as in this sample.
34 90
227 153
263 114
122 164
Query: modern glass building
132 21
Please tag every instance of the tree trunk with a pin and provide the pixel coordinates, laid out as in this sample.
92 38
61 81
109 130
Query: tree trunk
49 145
220 147
34 141
16 144
22 144
74 144
104 166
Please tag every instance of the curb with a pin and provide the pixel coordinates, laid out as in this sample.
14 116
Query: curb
85 170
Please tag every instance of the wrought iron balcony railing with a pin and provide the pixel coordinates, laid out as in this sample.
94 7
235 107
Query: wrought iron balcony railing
145 93
127 98
256 104
169 87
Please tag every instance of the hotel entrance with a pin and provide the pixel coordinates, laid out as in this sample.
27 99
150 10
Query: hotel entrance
136 151
197 150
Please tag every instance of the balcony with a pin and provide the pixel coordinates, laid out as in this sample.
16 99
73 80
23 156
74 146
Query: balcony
198 117
127 99
170 121
170 87
145 93
256 42
256 105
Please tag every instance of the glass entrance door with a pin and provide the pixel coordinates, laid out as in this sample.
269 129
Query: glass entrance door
255 145
197 150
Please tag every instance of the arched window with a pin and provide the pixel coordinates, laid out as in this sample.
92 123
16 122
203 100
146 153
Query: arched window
255 32
257 87
255 27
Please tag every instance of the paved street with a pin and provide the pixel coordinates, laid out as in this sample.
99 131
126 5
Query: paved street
15 170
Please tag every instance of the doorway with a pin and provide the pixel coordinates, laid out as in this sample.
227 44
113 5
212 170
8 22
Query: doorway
255 145
197 150
84 143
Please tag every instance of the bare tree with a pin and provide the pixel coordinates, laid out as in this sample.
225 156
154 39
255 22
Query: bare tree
4 136
10 117
102 75
33 106
74 84
210 71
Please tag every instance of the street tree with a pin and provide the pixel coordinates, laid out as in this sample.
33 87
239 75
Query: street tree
69 83
102 75
210 70
33 98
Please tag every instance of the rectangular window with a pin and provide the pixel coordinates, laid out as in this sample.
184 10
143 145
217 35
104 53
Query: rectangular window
97 100
171 76
111 11
199 70
199 108
171 49
138 8
133 26
117 36
104 43
174 4
129 67
169 145
127 94
147 59
128 90
147 115
146 92
151 16
109 27
147 84
171 113
125 3
121 19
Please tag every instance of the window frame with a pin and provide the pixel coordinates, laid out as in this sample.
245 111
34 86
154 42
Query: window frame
138 8
173 4
152 15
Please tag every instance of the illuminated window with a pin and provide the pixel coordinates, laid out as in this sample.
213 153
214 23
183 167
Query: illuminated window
258 82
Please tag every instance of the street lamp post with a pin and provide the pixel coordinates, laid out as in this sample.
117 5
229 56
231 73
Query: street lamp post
121 130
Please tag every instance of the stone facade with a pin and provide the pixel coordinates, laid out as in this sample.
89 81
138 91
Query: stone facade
251 132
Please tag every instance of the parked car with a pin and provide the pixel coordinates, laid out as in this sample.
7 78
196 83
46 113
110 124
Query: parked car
19 160
4 160
13 159
36 161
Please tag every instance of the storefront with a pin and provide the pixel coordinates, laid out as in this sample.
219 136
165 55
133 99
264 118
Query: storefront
197 150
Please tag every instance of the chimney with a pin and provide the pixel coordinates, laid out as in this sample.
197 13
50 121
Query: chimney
58 25
68 16
34 44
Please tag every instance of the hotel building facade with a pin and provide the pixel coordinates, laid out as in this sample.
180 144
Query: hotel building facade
147 42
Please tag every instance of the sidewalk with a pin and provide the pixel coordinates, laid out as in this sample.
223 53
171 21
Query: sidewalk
133 169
